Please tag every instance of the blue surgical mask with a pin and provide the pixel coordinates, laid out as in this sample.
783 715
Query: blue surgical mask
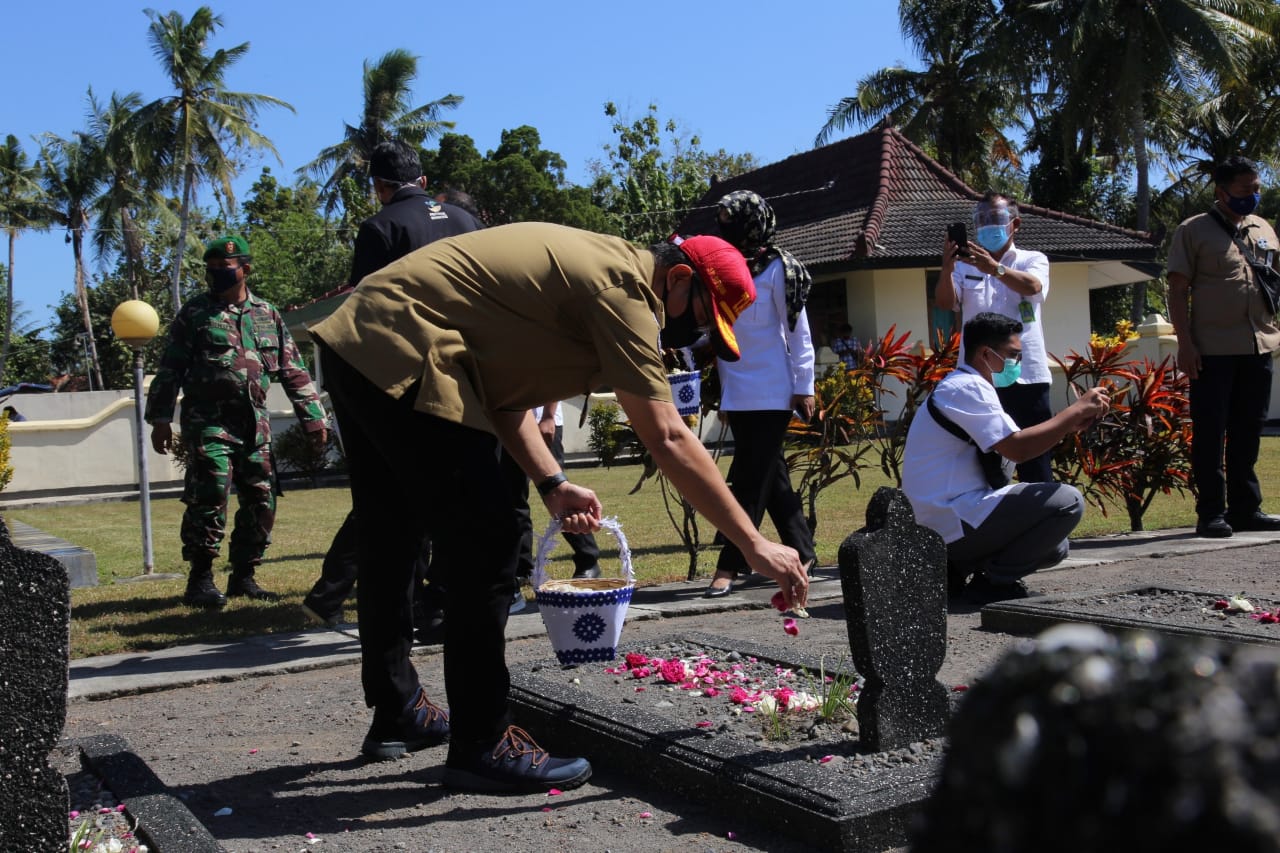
993 237
1243 205
1009 372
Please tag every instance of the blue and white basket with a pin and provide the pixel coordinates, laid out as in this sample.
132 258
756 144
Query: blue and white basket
583 615
686 391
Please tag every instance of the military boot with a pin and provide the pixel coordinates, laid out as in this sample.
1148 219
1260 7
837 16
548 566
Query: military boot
200 589
242 584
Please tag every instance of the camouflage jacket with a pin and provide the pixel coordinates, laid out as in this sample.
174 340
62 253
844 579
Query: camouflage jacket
223 358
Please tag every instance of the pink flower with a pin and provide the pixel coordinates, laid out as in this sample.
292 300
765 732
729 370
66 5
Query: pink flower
783 696
779 602
672 671
790 626
74 815
554 792
645 815
641 672
635 659
704 724
253 752
825 759
710 692
311 835
120 807
739 696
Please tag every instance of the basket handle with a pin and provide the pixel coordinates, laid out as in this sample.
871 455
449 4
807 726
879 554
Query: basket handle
548 541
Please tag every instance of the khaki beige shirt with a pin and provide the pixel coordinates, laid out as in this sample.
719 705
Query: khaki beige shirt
1228 314
505 319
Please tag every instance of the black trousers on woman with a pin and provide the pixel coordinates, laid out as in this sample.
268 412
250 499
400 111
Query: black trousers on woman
414 475
759 480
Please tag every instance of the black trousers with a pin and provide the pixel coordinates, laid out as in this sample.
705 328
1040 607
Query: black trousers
1229 400
339 569
414 475
586 554
759 480
1028 405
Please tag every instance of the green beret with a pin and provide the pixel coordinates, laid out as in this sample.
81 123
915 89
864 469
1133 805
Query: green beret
227 246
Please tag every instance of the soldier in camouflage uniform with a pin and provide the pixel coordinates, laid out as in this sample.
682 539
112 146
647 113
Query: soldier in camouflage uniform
224 348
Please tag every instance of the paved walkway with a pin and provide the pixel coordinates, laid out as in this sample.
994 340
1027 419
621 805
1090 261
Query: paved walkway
118 675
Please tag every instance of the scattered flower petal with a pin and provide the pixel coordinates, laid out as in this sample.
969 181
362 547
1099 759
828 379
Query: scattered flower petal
704 724
790 626
120 807
645 815
959 688
825 759
731 835
74 815
779 602
253 752
800 612
546 808
1240 604
1221 604
554 792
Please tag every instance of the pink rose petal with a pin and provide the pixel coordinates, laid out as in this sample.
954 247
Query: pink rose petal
960 688
253 752
826 758
554 792
645 815
779 602
546 808
731 835
704 724
790 626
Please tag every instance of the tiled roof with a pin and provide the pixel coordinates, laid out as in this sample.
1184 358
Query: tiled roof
877 200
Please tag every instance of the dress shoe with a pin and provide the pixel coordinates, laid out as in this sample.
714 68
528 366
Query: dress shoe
514 765
718 592
1258 521
1214 527
418 725
982 590
590 573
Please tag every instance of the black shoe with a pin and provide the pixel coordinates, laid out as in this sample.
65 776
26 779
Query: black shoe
590 573
1215 527
714 592
202 593
421 724
244 586
515 765
1258 521
982 591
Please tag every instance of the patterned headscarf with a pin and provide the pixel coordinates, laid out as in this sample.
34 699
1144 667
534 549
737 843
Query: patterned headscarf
749 227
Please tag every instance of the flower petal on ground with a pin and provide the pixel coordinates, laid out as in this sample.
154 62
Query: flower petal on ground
554 792
790 626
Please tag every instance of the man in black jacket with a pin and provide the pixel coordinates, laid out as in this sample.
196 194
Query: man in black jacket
409 219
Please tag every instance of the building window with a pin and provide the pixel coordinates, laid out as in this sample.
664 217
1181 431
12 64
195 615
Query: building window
828 310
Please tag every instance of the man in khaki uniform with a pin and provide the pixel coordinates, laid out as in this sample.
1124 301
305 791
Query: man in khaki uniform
1226 328
434 354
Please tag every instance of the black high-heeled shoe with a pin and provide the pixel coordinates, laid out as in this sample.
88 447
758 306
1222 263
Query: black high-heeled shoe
718 592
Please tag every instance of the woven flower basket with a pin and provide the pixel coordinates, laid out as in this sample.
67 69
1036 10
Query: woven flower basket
584 615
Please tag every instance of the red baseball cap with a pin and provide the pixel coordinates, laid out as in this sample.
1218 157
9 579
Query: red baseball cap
723 272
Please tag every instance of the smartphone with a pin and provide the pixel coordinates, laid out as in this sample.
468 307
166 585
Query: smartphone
957 233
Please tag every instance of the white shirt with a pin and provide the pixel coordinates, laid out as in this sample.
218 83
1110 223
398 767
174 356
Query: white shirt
777 362
976 293
941 475
558 417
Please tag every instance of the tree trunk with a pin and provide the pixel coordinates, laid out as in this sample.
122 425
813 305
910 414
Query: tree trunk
1138 308
8 301
82 296
188 180
1136 510
131 254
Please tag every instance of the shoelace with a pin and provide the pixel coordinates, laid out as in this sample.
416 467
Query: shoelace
517 742
433 712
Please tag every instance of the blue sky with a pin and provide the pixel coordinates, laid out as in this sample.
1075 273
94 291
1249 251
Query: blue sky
748 76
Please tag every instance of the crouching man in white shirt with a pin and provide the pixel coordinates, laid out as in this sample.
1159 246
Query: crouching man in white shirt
996 533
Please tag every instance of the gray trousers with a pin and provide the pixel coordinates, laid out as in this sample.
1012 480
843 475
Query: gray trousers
1026 531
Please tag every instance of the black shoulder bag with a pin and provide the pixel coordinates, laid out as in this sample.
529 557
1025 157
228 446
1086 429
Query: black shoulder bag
994 466
1263 273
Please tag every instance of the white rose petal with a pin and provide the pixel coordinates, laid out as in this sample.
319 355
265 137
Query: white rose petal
1240 604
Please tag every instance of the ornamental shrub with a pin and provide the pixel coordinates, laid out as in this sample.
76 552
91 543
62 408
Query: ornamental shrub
6 468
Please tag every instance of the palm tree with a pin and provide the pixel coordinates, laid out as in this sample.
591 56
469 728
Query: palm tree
957 106
388 114
203 123
73 177
129 179
1139 52
22 208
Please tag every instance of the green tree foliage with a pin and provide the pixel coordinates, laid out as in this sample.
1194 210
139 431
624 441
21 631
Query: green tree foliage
387 113
654 173
296 254
519 181
955 107
23 207
202 126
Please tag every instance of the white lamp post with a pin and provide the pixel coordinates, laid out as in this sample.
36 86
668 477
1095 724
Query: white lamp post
136 323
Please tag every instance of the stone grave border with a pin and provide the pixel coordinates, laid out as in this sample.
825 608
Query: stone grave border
165 824
731 775
1035 615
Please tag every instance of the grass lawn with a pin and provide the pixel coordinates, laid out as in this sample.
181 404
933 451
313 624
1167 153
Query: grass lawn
122 616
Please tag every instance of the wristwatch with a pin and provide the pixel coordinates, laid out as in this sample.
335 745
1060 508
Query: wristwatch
1000 270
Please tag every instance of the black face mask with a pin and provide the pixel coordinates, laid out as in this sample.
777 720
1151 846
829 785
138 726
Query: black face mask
734 233
682 331
222 279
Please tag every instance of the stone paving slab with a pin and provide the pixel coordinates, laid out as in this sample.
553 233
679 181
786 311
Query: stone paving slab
830 809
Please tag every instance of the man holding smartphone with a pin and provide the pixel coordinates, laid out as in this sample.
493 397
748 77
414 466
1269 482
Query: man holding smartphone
991 274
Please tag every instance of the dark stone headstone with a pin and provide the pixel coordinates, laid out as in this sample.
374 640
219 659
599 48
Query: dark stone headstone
1082 741
35 618
893 573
